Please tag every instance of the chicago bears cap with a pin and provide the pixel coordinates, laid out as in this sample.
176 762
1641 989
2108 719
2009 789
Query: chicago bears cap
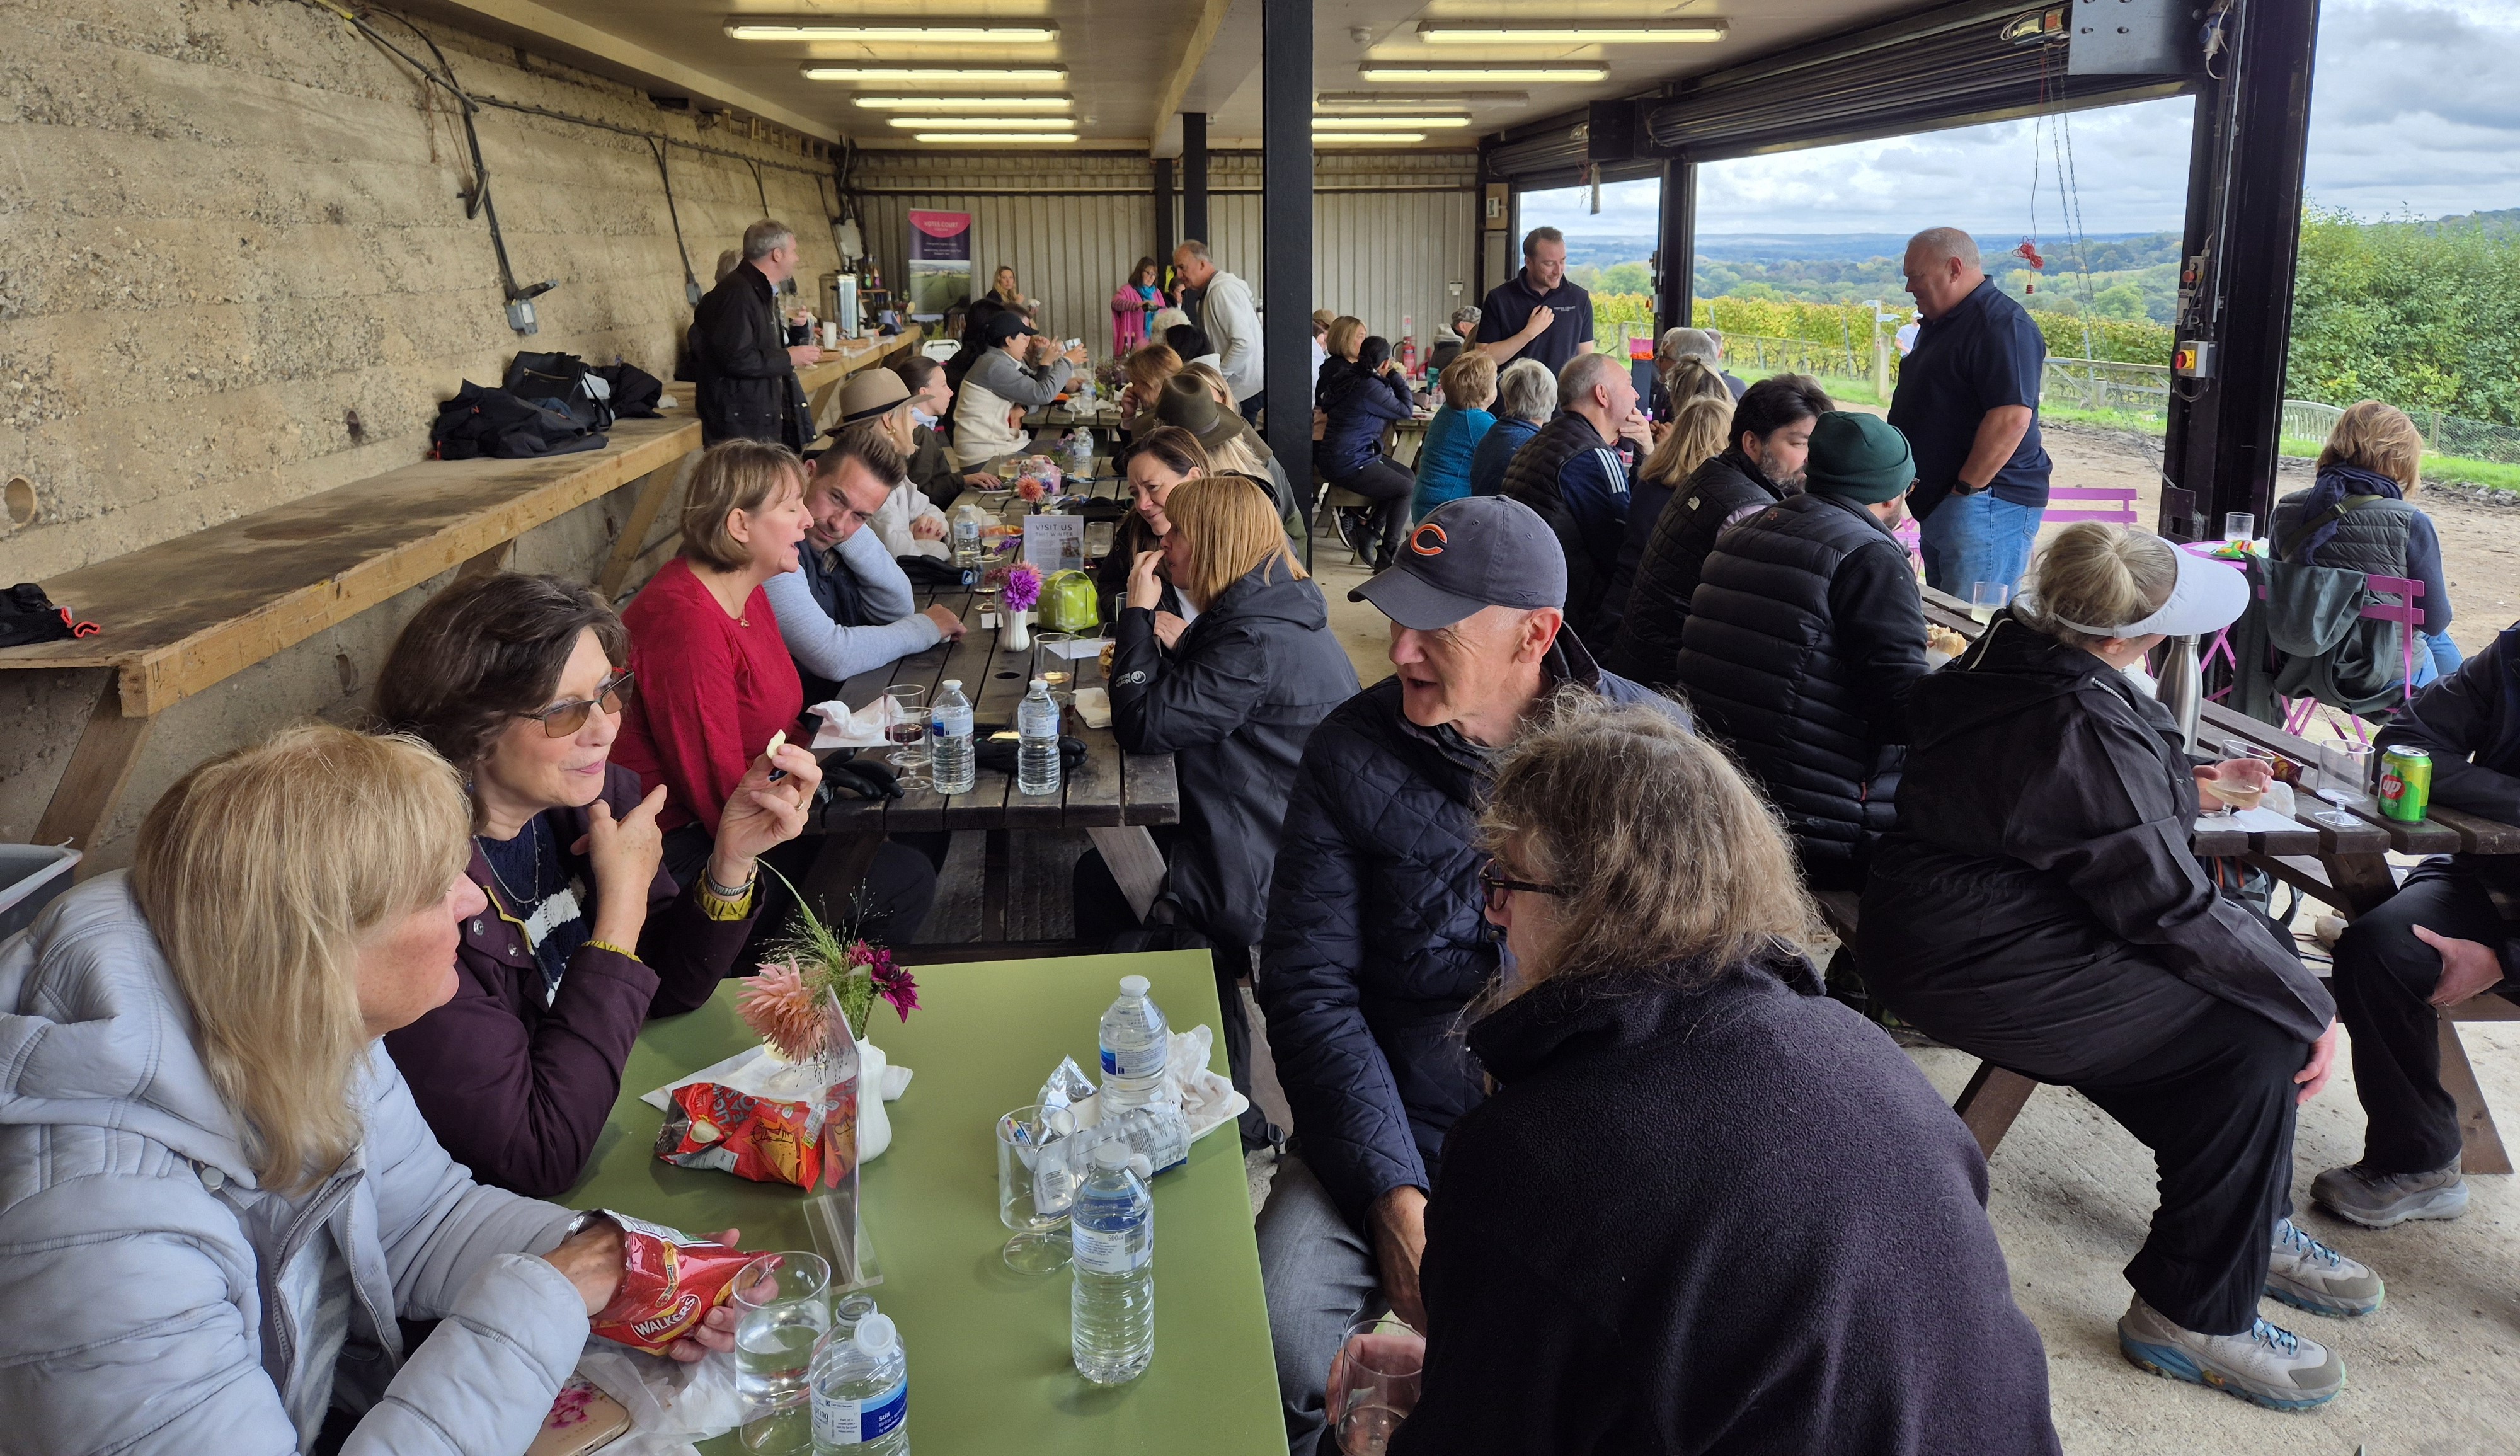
1479 550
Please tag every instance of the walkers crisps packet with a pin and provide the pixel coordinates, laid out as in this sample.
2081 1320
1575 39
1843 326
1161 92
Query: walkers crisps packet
761 1138
669 1283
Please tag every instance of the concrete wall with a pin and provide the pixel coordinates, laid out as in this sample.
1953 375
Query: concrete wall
226 225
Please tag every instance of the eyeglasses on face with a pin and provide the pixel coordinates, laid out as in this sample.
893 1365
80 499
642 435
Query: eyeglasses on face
1492 878
561 719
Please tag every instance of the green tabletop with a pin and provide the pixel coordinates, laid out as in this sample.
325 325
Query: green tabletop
989 1367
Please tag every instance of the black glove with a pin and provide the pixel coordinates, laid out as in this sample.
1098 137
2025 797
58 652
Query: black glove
860 778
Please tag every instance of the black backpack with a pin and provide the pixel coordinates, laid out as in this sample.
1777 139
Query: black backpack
480 422
27 616
564 380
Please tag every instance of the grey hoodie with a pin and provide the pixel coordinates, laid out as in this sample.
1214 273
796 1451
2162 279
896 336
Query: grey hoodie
139 1259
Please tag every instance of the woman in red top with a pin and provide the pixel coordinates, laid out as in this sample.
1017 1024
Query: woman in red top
716 683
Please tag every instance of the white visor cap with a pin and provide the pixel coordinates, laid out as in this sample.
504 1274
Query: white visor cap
2208 596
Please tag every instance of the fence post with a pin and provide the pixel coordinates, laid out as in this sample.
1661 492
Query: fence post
2436 439
1880 361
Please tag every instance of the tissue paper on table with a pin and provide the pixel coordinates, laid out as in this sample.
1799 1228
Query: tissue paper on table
844 728
2272 814
1208 1099
671 1405
1094 706
758 1071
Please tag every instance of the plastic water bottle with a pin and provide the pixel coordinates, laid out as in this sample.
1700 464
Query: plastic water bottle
1159 1133
1037 752
948 741
967 521
1111 1234
1137 1043
862 1392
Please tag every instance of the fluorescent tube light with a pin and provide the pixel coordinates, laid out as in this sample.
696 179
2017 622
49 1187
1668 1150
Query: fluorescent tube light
934 76
984 124
1384 70
1386 123
1569 32
963 103
889 32
995 136
1368 136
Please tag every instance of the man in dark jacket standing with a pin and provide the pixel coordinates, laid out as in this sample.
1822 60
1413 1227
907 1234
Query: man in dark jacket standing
1572 474
743 368
1803 637
1377 936
1772 430
2443 939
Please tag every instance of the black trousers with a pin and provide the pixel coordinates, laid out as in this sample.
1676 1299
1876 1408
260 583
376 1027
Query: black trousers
1392 487
1103 915
2215 1105
890 905
2384 977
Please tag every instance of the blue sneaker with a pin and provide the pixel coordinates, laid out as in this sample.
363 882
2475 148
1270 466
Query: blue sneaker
2309 1275
2267 1366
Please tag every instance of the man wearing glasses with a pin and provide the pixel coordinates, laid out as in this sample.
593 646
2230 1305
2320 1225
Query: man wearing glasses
849 610
1377 935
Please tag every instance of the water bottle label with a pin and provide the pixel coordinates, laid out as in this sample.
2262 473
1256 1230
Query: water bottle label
1141 1062
1108 1252
849 1423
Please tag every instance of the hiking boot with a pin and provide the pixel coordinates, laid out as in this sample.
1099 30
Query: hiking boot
2267 1365
2380 1200
2309 1275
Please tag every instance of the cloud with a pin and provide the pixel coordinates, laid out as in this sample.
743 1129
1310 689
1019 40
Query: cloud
2414 110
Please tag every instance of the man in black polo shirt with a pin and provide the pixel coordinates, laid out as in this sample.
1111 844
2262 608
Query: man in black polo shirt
1968 401
1537 314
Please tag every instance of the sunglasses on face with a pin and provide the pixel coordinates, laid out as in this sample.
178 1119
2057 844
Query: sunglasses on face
561 719
1492 878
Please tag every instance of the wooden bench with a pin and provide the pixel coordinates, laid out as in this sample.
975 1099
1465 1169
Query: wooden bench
187 614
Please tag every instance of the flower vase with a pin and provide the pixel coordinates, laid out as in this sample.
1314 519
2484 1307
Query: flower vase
1018 634
874 1124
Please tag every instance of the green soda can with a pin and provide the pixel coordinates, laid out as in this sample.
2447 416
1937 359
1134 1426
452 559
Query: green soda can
2406 784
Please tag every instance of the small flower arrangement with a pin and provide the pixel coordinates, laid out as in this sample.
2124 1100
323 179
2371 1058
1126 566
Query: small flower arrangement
783 1003
1023 587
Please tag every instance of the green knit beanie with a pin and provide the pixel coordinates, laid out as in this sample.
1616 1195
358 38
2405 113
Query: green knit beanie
1860 457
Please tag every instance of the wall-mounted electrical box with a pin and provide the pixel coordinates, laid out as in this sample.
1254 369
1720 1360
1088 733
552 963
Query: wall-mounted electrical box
2192 359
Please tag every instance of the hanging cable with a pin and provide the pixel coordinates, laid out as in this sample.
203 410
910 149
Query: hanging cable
690 285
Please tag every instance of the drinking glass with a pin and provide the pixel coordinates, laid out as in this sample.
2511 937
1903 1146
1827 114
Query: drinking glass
783 1305
905 726
1038 1153
1374 1383
1051 663
2345 774
1986 598
2239 526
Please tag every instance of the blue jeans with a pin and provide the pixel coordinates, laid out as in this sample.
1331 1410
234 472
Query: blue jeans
1972 538
2436 657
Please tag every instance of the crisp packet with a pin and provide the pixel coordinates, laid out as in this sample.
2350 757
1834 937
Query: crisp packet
761 1138
669 1283
1067 1085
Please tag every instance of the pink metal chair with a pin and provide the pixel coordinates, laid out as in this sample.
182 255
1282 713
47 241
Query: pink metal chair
2406 612
2114 504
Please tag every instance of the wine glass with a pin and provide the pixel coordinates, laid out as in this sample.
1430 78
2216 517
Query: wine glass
1374 1383
904 727
1037 1180
1053 665
2345 781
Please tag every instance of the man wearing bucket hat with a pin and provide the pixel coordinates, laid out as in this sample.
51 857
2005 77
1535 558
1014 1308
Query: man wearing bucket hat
879 403
1803 637
1376 938
2038 906
1012 373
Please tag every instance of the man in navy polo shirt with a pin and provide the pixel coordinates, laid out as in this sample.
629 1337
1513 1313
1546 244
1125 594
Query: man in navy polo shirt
1968 402
1537 314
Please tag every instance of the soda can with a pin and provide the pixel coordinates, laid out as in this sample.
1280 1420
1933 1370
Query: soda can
2406 784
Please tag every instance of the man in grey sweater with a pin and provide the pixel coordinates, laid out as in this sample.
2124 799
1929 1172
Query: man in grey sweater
849 610
1232 323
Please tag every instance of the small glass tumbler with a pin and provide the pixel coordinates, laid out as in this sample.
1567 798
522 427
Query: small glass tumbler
1053 665
1374 1383
2239 526
2345 774
1037 1180
783 1305
1986 598
904 727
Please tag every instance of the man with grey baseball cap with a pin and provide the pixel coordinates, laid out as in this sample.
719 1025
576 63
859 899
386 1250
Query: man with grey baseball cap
1377 935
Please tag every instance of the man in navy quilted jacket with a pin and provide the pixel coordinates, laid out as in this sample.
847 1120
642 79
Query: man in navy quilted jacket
1377 939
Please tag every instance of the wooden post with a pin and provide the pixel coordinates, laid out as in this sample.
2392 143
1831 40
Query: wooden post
99 768
632 543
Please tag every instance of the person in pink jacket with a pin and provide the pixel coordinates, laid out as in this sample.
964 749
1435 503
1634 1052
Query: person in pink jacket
1131 304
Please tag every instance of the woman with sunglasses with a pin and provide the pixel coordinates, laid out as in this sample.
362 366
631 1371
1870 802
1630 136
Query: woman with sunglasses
516 681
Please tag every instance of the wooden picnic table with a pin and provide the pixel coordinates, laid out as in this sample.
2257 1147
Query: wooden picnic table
2347 867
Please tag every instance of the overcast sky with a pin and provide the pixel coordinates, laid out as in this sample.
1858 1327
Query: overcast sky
2415 111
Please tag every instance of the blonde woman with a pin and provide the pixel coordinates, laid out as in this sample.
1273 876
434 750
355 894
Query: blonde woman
220 1201
1469 386
1698 1201
1145 368
2355 517
2038 906
1234 700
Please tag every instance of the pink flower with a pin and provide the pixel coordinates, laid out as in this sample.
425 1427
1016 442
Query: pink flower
892 983
779 1006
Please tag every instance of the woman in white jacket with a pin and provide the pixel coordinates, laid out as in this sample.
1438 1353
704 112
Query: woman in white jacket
216 1198
908 524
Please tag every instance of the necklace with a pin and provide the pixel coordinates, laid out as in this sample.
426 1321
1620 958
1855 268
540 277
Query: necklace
534 846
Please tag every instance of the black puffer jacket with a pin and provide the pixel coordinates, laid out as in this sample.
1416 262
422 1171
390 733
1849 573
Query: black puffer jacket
1377 937
1630 1251
745 385
1803 637
1715 494
1235 702
1587 523
2037 905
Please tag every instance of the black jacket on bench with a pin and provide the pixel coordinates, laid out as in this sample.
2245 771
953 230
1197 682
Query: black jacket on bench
1721 1218
746 382
2037 904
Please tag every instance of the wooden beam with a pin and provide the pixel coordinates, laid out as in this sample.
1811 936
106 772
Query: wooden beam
99 768
489 563
1990 1101
1202 36
632 542
1131 855
2480 1144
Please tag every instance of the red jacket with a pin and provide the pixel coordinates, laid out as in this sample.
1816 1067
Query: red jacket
518 1090
711 690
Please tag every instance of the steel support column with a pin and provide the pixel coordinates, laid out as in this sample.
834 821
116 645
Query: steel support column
1163 249
1286 238
2244 186
1675 246
1194 177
